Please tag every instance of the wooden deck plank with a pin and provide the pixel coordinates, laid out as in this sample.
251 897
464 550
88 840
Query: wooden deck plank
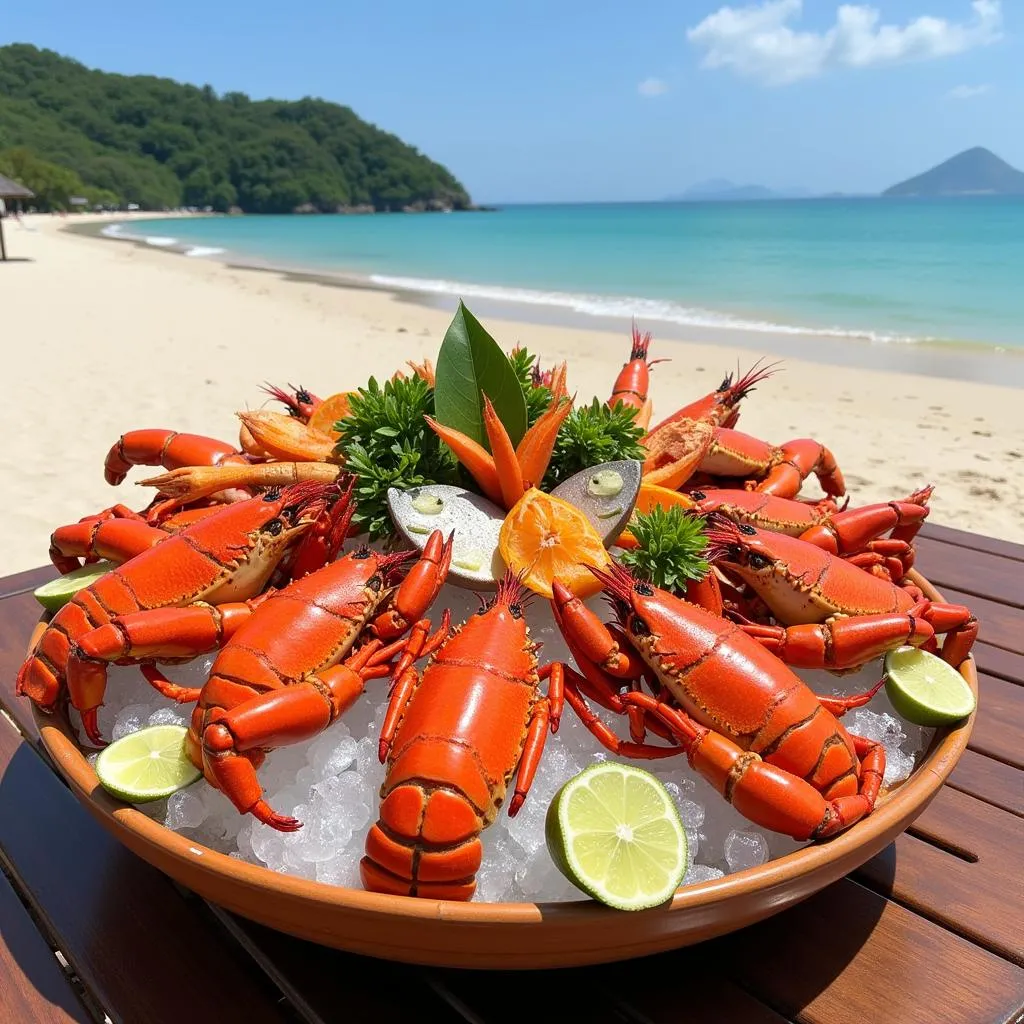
18 615
999 727
28 580
35 988
309 975
994 661
1000 623
972 572
873 961
989 780
139 948
972 541
960 864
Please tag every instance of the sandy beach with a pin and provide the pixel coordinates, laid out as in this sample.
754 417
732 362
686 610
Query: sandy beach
101 337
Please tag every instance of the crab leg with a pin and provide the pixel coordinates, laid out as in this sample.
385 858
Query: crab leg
167 448
276 718
763 793
855 529
117 539
842 643
800 459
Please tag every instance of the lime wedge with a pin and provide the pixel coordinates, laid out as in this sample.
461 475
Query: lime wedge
926 690
55 594
615 833
147 765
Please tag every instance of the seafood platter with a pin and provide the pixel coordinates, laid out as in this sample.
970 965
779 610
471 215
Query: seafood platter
454 668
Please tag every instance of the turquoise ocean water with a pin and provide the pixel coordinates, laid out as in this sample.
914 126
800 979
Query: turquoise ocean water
887 271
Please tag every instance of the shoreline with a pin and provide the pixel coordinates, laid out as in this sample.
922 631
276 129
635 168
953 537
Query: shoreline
104 339
951 359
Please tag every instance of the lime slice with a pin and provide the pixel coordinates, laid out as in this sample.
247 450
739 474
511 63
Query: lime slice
926 690
55 594
615 833
147 765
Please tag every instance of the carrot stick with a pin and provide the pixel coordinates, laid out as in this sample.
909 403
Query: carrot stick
473 456
534 451
510 476
558 388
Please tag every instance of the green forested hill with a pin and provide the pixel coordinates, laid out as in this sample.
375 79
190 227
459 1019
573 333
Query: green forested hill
160 144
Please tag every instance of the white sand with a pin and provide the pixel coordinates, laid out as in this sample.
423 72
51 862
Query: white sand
100 337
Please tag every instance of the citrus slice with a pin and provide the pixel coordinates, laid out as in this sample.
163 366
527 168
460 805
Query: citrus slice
926 690
328 412
653 496
55 594
147 765
544 537
614 832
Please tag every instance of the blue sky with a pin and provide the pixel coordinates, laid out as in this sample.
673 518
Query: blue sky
561 100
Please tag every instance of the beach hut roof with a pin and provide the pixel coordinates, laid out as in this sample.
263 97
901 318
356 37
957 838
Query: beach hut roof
12 190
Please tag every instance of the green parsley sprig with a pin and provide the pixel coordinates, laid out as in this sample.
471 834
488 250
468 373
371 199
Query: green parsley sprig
592 434
386 443
672 547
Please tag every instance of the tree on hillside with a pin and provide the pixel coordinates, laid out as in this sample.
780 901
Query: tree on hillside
161 144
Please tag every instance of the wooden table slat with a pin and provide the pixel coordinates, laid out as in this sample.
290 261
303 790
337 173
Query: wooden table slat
28 580
18 616
138 946
977 898
972 541
999 727
994 661
1000 623
989 780
873 960
323 984
35 988
972 572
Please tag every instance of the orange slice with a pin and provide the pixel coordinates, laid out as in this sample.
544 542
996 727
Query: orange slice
546 537
328 412
653 496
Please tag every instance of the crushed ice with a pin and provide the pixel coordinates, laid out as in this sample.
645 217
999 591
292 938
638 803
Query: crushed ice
332 782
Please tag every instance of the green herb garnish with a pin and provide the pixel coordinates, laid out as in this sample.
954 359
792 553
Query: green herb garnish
538 397
592 434
386 443
672 547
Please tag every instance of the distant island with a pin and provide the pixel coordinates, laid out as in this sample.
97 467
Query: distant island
118 140
973 172
722 190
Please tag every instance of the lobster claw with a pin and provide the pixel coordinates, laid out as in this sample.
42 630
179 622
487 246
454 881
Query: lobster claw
418 590
591 637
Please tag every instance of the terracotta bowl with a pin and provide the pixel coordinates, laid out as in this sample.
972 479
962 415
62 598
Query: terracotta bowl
507 935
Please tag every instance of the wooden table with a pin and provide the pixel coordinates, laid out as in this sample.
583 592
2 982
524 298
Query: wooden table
930 930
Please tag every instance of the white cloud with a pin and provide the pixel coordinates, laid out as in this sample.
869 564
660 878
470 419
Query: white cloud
652 87
968 92
757 41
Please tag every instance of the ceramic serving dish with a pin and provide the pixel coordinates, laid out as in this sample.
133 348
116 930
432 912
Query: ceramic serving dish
507 935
